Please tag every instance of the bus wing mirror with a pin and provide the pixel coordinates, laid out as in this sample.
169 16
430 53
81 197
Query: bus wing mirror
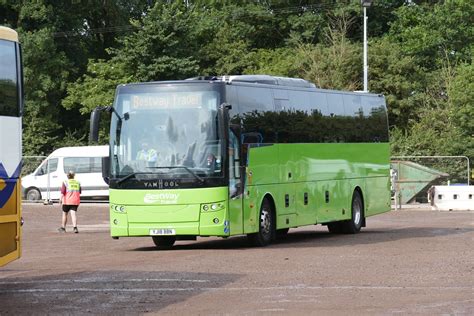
106 169
95 118
94 125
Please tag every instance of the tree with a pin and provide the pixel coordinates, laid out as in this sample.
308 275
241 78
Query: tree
429 31
399 78
336 63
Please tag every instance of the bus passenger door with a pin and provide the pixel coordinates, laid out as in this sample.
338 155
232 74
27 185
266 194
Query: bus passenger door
10 219
235 186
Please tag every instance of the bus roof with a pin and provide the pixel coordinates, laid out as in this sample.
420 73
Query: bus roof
261 81
7 33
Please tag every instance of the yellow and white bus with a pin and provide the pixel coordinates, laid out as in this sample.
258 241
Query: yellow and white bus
11 108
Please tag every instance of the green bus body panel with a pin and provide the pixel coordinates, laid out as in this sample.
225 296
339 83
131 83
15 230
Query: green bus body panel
307 183
292 170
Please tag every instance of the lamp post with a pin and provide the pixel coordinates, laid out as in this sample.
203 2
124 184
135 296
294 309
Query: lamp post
365 4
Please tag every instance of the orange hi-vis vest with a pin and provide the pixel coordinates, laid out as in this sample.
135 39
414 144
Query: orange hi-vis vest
73 192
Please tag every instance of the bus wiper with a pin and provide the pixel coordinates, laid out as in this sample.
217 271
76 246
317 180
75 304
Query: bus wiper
201 180
128 176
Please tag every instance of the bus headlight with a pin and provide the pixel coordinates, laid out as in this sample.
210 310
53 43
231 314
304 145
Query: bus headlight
118 208
217 206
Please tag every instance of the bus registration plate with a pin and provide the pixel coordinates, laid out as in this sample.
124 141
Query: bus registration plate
162 231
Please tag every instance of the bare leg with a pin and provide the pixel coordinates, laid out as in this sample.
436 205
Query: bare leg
74 218
64 220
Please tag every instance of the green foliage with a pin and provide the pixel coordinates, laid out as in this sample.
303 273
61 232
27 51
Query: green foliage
46 75
429 32
461 94
334 64
420 58
277 62
97 86
399 78
159 49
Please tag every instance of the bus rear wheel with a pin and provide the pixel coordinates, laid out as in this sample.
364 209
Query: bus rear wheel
266 227
164 242
354 225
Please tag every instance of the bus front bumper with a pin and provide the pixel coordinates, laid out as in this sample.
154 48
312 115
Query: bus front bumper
193 221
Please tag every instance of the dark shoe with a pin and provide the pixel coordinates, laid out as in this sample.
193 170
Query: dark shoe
61 229
75 230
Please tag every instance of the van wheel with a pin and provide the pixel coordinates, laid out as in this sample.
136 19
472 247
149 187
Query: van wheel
33 195
164 242
266 227
354 225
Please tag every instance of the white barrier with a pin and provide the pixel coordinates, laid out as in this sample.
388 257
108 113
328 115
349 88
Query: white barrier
451 197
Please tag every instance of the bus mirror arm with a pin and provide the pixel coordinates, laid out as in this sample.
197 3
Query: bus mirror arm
111 109
95 118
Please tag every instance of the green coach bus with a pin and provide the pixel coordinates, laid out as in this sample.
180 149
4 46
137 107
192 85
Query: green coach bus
250 154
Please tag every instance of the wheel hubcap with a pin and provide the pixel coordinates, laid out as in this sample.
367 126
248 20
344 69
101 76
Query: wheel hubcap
32 195
265 222
357 212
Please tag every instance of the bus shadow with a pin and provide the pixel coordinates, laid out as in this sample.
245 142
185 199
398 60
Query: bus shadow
318 238
237 242
369 236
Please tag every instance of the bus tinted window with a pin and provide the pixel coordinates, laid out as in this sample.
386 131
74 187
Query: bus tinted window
322 117
9 104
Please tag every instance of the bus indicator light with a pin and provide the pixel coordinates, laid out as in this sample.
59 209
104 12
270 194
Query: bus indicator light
212 206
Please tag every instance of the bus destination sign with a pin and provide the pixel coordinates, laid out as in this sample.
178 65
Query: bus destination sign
150 101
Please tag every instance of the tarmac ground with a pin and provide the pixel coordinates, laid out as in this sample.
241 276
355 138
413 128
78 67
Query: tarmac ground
409 261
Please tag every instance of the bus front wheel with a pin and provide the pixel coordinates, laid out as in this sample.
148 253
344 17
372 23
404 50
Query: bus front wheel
164 242
266 227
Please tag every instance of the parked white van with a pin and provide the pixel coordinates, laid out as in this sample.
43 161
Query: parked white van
86 161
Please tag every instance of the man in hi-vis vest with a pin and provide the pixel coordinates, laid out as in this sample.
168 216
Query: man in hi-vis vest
147 154
70 200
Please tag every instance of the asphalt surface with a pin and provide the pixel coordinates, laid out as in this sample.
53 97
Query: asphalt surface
411 261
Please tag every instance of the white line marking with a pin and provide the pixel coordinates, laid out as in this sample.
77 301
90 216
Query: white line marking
96 280
191 289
